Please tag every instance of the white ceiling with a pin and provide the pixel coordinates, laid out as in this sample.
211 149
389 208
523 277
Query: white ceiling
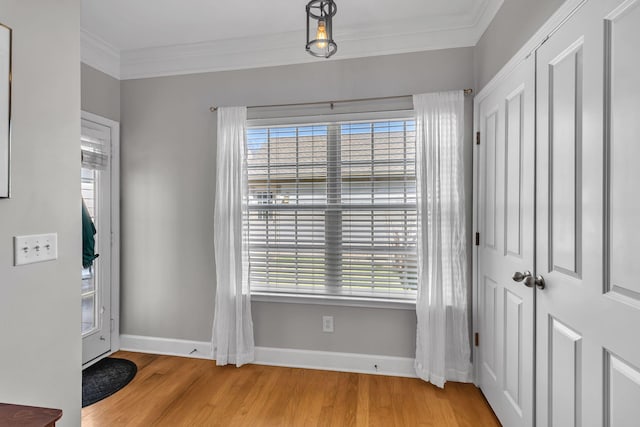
130 39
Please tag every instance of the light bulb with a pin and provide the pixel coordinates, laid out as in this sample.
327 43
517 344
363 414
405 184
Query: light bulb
321 34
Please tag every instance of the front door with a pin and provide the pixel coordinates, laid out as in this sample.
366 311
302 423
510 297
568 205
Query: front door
506 225
96 280
588 211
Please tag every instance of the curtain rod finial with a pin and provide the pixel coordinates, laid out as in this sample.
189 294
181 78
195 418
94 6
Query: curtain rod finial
213 109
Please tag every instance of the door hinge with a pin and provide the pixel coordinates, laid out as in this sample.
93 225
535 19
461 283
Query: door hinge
477 239
477 138
477 339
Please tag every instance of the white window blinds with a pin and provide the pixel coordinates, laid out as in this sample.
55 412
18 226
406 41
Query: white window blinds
332 208
94 149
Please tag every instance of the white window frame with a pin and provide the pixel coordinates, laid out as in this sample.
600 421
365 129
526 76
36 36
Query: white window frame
333 299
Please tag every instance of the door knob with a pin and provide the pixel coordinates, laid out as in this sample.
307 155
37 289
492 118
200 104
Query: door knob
539 281
523 277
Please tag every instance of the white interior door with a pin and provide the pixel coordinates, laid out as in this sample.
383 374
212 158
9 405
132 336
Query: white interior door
506 224
588 208
96 280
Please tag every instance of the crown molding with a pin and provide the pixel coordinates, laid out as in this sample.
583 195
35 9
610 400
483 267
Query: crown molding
484 18
411 35
99 54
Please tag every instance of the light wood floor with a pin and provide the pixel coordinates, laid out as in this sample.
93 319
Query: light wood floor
175 391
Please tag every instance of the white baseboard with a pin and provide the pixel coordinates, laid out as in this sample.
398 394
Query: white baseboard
333 361
286 357
166 346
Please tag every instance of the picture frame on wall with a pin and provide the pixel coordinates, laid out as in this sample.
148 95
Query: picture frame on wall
5 110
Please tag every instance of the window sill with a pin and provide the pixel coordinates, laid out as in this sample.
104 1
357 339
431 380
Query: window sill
334 301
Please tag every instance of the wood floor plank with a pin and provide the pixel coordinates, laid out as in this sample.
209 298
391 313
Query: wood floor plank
362 410
176 391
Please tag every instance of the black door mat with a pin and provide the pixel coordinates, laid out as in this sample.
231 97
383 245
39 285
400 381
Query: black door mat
105 378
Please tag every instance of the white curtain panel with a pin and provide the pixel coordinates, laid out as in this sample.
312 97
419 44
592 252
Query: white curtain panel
442 342
232 337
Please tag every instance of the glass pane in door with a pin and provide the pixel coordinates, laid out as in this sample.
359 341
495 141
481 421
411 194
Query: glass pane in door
89 277
88 313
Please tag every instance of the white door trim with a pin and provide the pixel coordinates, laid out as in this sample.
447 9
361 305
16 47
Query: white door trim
115 229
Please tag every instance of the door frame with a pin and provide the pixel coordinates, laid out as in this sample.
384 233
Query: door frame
115 230
475 318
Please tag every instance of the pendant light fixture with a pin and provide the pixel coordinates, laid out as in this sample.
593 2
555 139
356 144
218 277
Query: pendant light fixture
320 15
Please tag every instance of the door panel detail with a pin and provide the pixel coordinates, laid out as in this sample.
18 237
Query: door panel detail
622 97
490 322
513 348
623 386
491 177
513 168
565 140
565 356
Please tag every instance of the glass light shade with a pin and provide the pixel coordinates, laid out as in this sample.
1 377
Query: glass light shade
320 41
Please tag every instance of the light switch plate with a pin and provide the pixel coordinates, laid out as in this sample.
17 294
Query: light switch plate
35 248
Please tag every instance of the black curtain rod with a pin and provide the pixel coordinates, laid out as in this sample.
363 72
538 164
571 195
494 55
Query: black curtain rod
332 103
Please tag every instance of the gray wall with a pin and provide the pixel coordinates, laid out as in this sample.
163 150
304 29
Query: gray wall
100 93
168 181
356 330
40 360
512 27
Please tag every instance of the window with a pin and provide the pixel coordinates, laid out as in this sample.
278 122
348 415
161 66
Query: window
332 209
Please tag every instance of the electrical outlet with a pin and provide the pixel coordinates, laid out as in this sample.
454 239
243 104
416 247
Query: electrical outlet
327 323
35 248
